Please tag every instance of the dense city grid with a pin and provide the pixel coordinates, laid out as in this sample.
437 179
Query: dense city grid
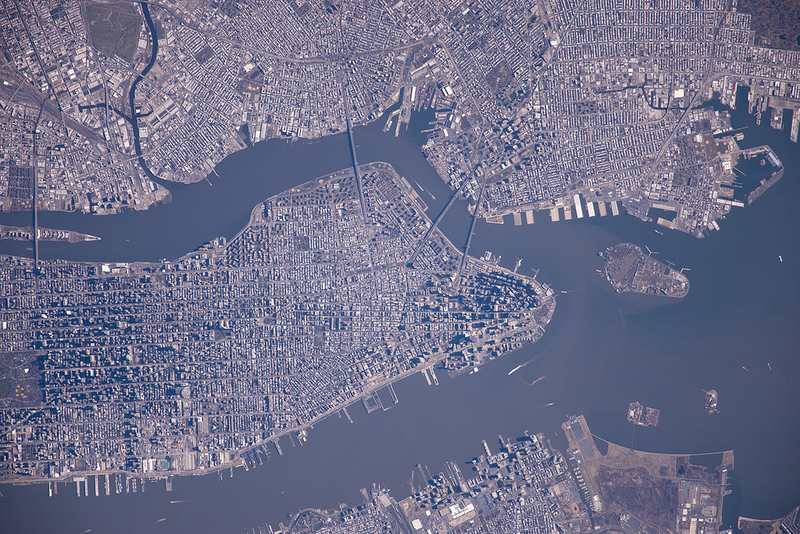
341 286
526 487
546 105
187 365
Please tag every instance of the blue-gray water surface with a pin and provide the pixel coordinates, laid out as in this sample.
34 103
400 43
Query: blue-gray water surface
601 351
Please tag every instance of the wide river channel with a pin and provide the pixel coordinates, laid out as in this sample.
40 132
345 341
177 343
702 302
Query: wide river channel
601 351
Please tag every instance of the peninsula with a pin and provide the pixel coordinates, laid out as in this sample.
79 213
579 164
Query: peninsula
525 485
186 366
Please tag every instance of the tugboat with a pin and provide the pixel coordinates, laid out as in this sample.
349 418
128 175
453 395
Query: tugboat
711 401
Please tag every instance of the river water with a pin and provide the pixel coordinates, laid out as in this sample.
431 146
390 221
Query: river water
601 350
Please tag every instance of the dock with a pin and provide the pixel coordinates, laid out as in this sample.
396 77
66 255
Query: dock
578 207
766 184
372 402
433 376
575 209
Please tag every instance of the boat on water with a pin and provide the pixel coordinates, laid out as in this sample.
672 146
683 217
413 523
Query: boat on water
422 188
745 368
711 401
538 379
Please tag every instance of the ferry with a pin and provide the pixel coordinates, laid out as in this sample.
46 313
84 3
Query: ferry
425 190
515 369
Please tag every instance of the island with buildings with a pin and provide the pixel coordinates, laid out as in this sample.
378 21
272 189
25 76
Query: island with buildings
185 366
628 268
28 233
641 415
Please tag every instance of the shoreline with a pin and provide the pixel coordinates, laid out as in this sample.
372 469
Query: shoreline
534 331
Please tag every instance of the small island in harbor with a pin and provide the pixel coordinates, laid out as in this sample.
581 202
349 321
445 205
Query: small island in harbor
642 415
711 401
627 268
25 233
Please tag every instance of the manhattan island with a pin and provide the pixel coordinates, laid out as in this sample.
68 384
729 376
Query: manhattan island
186 366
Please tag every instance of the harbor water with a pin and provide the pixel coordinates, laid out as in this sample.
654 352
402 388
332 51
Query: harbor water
600 352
